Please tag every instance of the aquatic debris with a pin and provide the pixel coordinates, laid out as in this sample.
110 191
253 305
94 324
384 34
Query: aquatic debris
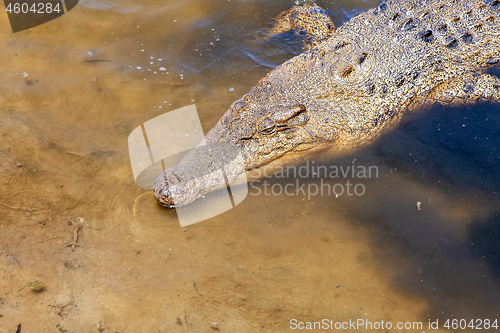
12 260
95 61
74 243
62 309
36 285
19 208
196 289
100 325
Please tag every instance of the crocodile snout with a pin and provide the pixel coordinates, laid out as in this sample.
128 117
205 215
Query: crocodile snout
204 169
162 191
171 191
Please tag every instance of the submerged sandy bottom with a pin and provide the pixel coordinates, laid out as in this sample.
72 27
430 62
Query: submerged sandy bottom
64 169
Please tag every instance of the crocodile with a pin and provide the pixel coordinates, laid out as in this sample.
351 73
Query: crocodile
351 85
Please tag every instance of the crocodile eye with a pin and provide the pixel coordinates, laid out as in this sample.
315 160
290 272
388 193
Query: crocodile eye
269 131
267 126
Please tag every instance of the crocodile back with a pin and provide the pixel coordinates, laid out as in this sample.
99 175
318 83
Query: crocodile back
383 59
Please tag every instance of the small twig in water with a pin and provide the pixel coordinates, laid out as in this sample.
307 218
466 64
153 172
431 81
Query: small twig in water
16 208
194 284
74 244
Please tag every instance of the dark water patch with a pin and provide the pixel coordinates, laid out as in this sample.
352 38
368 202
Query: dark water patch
455 147
484 244
433 215
431 254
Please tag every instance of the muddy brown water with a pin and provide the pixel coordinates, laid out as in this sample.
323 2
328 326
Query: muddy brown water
73 89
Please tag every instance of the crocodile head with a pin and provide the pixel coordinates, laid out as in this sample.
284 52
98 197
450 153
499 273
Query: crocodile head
271 123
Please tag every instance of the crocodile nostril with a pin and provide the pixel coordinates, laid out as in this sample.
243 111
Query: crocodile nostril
162 191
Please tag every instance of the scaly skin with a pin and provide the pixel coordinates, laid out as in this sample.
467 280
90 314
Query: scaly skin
347 90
